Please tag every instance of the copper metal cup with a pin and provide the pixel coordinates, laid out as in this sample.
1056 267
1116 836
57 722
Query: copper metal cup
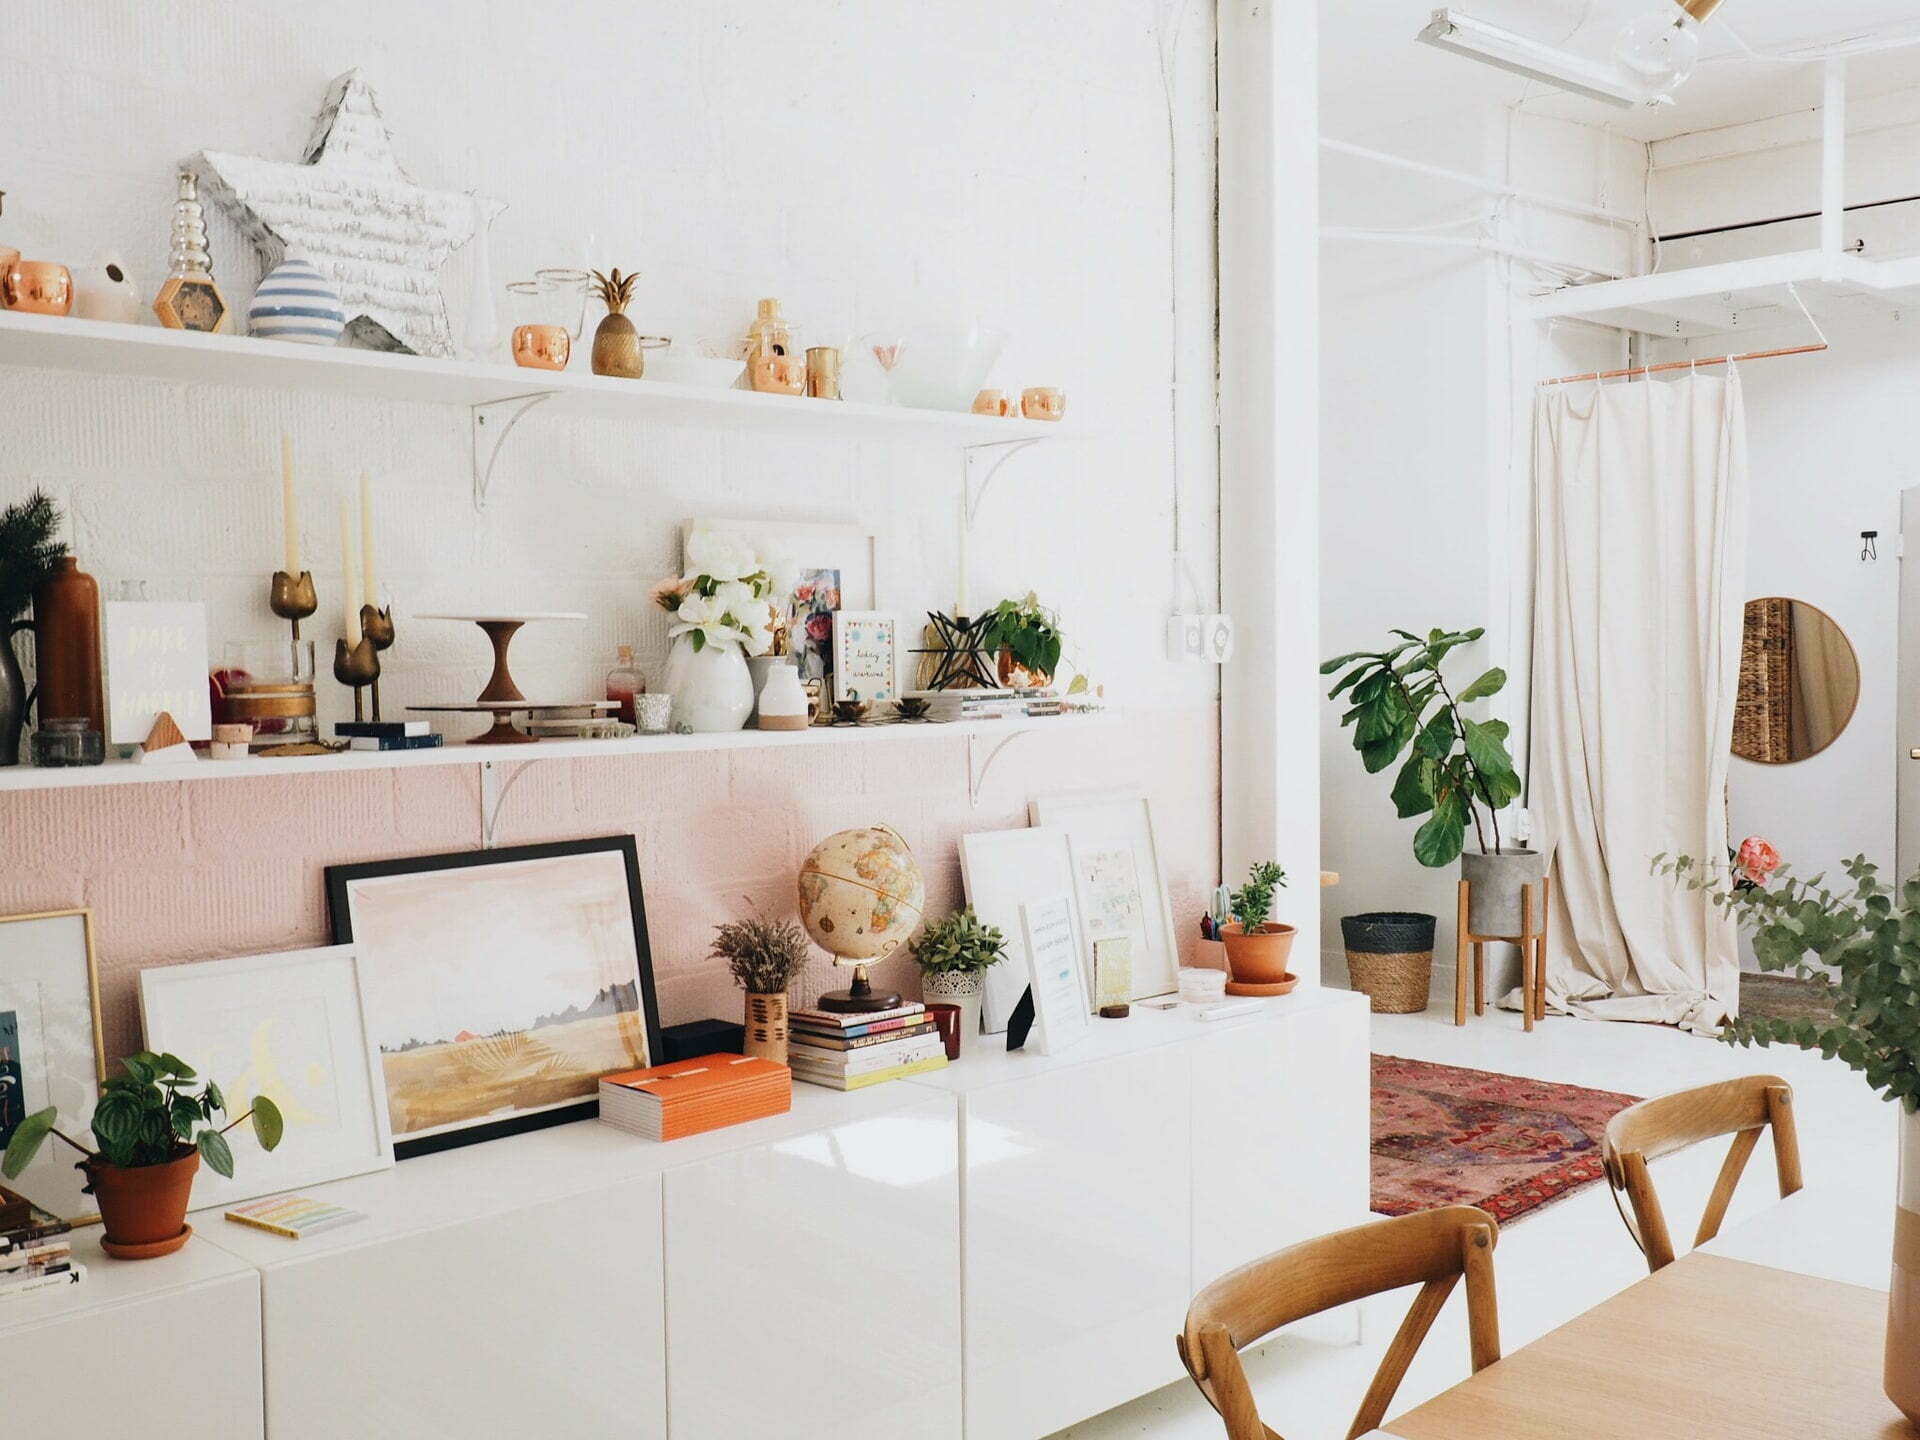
9 257
778 374
38 287
1043 402
542 347
992 402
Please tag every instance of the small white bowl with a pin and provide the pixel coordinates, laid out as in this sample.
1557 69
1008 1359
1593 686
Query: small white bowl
1202 987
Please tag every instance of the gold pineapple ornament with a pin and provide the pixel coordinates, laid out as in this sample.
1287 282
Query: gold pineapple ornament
616 344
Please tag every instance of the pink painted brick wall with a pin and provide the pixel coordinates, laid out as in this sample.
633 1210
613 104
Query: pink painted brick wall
194 871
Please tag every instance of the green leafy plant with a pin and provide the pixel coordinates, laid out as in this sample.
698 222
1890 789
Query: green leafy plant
1026 629
154 1114
763 953
1457 767
28 551
959 943
1860 944
1253 901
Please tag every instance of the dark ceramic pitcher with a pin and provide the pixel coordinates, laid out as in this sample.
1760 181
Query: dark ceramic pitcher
14 696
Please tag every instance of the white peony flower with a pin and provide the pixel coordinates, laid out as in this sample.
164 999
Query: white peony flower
736 599
723 557
698 610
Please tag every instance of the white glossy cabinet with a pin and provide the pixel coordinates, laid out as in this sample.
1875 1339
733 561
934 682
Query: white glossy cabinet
813 1284
166 1349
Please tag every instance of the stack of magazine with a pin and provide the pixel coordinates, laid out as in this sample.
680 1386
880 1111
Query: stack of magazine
851 1052
36 1251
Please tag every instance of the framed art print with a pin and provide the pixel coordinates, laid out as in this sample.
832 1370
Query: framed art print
1055 972
292 1027
50 1047
1119 882
1002 871
500 985
865 656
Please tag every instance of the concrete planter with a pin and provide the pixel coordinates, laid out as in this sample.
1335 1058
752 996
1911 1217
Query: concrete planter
1496 881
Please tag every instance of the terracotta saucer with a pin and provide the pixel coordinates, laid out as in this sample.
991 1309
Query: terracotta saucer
149 1251
1279 987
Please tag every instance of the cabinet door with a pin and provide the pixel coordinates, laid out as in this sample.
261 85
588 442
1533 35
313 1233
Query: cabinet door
813 1285
1077 1222
543 1322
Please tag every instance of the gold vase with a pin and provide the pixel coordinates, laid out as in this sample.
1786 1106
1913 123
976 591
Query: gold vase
617 350
767 1028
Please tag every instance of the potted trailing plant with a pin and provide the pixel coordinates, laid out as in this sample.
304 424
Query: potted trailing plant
154 1125
1025 636
1456 771
954 955
1257 947
1860 943
722 613
764 955
28 555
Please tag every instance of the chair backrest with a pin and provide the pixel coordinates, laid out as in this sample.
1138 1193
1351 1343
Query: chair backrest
1741 1108
1432 1249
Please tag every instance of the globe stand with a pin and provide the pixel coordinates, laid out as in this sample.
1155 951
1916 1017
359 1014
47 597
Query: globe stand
860 998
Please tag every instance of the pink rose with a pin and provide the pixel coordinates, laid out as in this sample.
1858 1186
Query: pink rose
1757 860
819 627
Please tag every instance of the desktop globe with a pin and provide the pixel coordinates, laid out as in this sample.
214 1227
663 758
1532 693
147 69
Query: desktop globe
861 896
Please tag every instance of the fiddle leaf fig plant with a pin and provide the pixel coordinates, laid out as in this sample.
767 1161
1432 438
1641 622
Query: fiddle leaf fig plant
1859 942
961 942
159 1111
1457 769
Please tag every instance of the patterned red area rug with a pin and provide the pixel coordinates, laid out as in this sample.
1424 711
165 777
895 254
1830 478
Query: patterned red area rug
1447 1136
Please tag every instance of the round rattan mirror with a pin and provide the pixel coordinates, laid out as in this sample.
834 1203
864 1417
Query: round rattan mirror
1799 682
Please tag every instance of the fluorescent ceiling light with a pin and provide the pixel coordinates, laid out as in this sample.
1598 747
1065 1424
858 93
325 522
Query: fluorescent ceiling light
1522 55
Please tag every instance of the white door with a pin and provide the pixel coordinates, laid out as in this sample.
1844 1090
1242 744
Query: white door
1907 722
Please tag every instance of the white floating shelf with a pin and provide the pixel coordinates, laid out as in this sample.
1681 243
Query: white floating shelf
1738 295
91 347
127 772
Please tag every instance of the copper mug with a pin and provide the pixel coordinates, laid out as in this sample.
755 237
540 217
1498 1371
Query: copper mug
1043 402
542 347
778 374
38 287
9 257
993 402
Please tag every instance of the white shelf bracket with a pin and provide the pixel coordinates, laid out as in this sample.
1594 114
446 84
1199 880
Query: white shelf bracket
492 422
977 766
981 467
494 789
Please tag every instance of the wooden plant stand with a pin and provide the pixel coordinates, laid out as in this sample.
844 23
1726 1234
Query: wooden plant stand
1532 941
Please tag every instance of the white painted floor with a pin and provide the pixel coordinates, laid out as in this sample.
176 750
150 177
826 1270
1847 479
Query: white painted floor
1557 1262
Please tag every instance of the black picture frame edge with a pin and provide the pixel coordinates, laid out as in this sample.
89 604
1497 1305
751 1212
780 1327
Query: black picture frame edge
340 924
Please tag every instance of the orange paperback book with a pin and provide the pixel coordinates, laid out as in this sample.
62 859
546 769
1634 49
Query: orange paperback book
667 1102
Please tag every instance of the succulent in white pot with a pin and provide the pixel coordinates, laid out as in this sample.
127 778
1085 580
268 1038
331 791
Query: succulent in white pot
954 955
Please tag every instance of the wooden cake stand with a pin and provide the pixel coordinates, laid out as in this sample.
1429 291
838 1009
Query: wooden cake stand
502 698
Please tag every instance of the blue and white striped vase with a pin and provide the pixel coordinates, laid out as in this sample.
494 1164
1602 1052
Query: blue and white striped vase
296 302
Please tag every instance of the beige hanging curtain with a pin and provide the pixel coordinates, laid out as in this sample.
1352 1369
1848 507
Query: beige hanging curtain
1637 640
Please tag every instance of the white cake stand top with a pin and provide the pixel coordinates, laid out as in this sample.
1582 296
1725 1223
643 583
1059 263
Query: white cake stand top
524 617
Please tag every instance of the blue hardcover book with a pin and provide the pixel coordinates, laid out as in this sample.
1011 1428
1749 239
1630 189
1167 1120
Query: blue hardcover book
396 742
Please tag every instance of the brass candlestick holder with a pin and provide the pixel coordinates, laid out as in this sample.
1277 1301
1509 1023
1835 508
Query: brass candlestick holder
293 597
377 626
357 666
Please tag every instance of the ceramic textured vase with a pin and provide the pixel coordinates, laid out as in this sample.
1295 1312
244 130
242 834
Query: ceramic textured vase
296 302
1496 882
1903 1307
712 688
957 987
766 1026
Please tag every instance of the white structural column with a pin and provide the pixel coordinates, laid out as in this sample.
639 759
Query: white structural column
1833 161
1269 446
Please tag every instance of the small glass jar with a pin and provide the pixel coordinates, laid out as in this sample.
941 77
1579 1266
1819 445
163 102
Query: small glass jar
268 684
653 714
68 741
624 682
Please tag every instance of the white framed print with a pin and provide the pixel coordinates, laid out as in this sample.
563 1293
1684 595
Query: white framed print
1054 970
156 660
293 1027
1119 881
865 656
50 1047
1002 870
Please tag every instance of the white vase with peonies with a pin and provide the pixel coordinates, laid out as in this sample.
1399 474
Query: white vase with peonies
712 688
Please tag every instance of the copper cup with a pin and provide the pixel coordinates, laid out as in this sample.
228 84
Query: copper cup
38 287
1043 402
778 374
992 402
542 347
9 257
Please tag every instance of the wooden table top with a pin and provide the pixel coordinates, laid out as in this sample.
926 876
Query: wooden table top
1707 1349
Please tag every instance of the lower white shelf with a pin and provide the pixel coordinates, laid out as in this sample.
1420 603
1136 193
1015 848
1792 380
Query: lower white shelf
127 772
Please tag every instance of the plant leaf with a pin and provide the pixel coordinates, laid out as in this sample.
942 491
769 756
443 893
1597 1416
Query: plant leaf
1491 683
1413 791
171 1064
1484 748
217 1153
141 1068
186 1115
28 1136
1438 842
268 1125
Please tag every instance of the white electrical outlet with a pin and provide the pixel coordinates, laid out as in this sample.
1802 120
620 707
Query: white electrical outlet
1207 639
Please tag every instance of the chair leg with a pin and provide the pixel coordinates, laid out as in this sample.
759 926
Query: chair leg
1460 960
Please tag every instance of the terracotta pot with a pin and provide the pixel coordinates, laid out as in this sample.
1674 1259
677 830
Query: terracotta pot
1903 1308
1259 958
144 1210
767 1028
1018 677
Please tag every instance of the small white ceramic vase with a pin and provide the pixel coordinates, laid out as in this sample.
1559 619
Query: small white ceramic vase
104 289
711 687
296 302
783 701
957 987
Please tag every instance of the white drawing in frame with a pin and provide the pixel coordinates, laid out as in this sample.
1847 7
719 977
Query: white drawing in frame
1003 870
1119 881
291 1026
50 1011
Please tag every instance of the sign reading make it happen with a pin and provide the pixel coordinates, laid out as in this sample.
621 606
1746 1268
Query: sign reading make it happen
156 660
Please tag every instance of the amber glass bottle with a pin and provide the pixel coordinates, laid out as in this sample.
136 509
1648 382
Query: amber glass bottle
66 646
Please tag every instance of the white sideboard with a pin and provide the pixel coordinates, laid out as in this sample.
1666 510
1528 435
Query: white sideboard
991 1251
168 1349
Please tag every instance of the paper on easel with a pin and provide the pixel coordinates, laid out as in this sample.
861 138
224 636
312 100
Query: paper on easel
1059 995
156 664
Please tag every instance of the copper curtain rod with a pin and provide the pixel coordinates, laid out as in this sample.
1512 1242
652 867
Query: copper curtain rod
1685 365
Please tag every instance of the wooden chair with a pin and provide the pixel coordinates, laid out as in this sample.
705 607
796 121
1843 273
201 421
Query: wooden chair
1741 1108
1432 1249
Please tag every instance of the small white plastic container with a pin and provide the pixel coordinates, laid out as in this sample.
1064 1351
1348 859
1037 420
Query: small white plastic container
1202 987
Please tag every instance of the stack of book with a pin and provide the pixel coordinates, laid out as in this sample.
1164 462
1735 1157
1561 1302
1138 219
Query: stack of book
851 1052
666 1102
387 735
36 1252
977 704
